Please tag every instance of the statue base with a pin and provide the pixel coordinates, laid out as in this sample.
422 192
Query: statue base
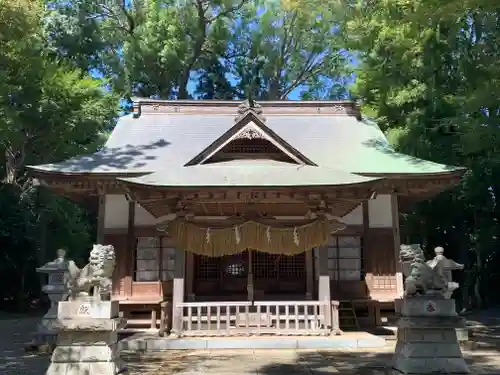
87 340
427 341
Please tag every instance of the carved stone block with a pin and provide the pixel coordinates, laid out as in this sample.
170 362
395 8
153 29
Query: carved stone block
425 306
87 340
88 308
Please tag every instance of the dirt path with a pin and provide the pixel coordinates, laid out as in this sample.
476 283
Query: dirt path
14 333
484 358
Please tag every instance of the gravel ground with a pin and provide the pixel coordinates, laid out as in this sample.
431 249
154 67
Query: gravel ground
482 355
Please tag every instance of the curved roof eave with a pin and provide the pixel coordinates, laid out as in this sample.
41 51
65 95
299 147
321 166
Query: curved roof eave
271 177
38 171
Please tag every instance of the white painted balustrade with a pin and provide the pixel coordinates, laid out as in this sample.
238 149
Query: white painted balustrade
257 318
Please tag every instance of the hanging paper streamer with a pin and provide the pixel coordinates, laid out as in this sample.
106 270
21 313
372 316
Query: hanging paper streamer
224 238
237 235
295 236
207 235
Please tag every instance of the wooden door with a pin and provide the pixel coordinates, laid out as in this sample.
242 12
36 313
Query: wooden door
221 277
275 276
278 275
234 276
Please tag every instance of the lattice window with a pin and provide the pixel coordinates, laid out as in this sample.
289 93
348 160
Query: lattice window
250 146
167 260
384 283
155 260
147 259
264 265
345 258
207 268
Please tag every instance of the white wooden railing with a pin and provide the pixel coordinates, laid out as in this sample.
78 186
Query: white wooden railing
257 318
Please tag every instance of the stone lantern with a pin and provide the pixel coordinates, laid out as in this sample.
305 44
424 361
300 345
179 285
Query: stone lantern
448 266
56 289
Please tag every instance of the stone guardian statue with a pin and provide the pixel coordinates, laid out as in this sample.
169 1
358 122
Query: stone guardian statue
95 276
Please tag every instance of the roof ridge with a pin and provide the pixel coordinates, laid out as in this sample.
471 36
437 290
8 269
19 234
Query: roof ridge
159 106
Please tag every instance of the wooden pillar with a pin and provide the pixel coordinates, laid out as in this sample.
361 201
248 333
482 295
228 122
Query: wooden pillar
100 218
190 276
367 271
324 295
374 306
397 244
130 250
309 275
178 291
250 287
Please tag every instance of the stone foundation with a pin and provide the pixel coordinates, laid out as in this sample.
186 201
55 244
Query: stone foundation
87 341
427 341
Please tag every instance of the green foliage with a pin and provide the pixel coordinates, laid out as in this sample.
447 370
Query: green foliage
431 82
49 111
426 70
279 51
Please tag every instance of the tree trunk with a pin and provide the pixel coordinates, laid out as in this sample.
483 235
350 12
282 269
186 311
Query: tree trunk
477 282
10 167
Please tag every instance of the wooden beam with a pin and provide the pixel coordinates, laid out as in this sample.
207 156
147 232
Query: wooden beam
397 245
189 276
250 194
151 231
100 219
324 293
309 275
366 217
178 291
131 244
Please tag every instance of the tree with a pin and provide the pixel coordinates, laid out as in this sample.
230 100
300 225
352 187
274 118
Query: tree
49 111
171 43
44 104
279 51
431 83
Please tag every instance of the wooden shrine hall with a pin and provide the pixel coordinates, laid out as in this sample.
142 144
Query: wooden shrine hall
243 218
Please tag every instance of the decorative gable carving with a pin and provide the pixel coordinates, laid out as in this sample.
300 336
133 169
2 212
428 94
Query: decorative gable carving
252 142
249 106
250 133
249 138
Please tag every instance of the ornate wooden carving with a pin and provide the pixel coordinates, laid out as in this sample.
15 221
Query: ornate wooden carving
224 201
250 132
249 106
195 107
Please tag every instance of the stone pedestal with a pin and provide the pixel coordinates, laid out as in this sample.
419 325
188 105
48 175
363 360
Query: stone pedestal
427 342
462 331
87 340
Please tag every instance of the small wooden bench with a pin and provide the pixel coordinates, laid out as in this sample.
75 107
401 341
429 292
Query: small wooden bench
149 305
374 306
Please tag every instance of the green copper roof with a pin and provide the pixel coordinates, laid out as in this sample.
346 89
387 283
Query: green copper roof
242 173
341 146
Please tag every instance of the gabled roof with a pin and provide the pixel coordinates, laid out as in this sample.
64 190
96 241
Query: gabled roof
329 138
250 126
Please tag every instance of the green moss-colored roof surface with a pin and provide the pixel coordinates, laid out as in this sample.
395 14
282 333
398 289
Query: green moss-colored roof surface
342 147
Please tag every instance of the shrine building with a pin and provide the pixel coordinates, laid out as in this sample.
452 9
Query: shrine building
273 218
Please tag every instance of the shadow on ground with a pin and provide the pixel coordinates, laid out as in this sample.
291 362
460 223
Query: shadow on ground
484 330
185 362
481 353
362 363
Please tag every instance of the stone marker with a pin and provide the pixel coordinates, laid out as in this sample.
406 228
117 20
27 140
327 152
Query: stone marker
426 339
87 339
